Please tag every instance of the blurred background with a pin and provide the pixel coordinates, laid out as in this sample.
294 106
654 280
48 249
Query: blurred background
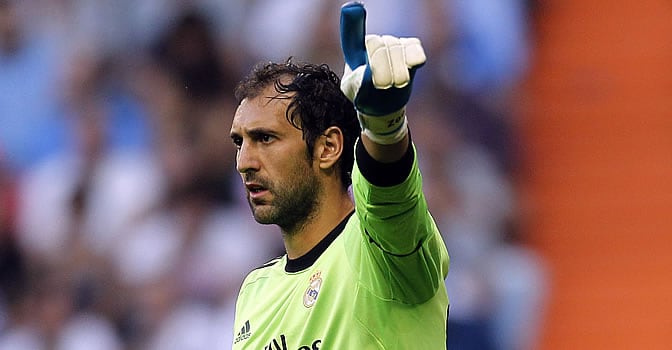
544 129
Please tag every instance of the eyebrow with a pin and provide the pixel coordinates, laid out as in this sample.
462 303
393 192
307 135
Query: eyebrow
257 132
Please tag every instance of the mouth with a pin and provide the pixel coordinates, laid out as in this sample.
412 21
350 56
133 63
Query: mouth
255 191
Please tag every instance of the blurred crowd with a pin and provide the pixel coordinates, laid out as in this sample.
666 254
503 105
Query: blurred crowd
123 223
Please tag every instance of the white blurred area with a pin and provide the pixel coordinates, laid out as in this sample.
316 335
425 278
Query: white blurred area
122 220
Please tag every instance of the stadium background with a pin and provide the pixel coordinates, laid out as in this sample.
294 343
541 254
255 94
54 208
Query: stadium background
544 126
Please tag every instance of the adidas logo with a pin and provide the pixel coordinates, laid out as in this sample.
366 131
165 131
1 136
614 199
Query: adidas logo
244 333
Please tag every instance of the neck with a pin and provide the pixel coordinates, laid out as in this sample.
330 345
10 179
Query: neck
329 213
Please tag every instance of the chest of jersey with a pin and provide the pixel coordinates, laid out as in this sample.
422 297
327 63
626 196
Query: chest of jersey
351 297
295 310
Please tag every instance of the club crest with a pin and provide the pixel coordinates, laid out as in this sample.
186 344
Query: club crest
313 290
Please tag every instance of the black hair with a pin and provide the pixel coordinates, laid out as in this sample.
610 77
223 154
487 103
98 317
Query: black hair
317 103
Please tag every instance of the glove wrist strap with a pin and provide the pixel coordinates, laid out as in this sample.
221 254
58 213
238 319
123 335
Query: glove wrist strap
387 129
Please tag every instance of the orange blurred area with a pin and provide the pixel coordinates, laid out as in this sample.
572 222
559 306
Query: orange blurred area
597 126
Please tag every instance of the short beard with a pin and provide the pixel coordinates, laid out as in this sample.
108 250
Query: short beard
295 211
294 205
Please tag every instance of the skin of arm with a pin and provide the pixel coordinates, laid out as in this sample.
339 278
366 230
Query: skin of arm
385 153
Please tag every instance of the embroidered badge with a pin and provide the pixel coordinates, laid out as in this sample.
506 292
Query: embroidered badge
310 296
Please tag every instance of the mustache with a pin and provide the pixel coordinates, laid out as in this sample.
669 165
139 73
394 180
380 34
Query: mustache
253 177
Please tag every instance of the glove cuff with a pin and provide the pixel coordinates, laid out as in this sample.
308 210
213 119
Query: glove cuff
387 129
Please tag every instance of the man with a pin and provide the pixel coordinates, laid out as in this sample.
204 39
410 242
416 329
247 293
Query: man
362 274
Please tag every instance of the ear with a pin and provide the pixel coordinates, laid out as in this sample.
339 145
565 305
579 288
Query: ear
329 147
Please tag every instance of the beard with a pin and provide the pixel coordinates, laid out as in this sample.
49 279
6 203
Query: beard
294 202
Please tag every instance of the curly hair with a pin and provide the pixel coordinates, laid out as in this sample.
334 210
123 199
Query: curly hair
317 103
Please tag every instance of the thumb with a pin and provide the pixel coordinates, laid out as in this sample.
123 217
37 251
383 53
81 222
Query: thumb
353 29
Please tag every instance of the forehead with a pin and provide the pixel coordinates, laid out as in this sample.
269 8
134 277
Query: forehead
267 110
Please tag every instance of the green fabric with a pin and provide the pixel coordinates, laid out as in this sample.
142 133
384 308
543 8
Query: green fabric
379 285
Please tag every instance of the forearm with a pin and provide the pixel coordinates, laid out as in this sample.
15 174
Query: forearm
380 173
385 153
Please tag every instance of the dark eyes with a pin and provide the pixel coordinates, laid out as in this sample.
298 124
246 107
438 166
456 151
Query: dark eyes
237 141
263 138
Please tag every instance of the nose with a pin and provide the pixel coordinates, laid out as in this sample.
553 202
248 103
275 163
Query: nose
246 159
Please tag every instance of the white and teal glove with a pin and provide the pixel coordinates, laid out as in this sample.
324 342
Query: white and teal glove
378 75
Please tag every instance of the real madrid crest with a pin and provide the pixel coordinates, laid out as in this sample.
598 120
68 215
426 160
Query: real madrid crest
310 296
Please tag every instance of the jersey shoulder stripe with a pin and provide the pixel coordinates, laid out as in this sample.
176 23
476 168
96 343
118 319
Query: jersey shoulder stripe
262 271
269 263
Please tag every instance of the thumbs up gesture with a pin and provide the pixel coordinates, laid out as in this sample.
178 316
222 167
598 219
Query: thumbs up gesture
378 75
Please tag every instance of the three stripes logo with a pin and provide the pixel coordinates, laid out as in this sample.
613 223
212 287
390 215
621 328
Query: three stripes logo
244 333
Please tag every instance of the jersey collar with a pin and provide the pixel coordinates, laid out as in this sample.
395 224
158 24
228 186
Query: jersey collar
307 260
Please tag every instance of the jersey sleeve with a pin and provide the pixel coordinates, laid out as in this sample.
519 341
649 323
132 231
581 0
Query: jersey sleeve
401 254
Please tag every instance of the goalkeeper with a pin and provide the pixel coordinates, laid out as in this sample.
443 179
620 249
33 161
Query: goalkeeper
361 271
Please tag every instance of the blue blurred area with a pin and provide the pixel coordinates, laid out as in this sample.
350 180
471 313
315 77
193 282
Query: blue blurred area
31 112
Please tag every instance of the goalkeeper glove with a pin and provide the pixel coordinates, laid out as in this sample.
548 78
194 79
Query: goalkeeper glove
378 75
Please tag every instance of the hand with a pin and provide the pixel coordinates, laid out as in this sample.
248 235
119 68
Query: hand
378 74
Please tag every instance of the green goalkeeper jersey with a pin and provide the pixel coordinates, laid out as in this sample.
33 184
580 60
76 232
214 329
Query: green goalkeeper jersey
375 282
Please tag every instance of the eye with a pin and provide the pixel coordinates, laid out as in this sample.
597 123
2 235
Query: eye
237 141
265 138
